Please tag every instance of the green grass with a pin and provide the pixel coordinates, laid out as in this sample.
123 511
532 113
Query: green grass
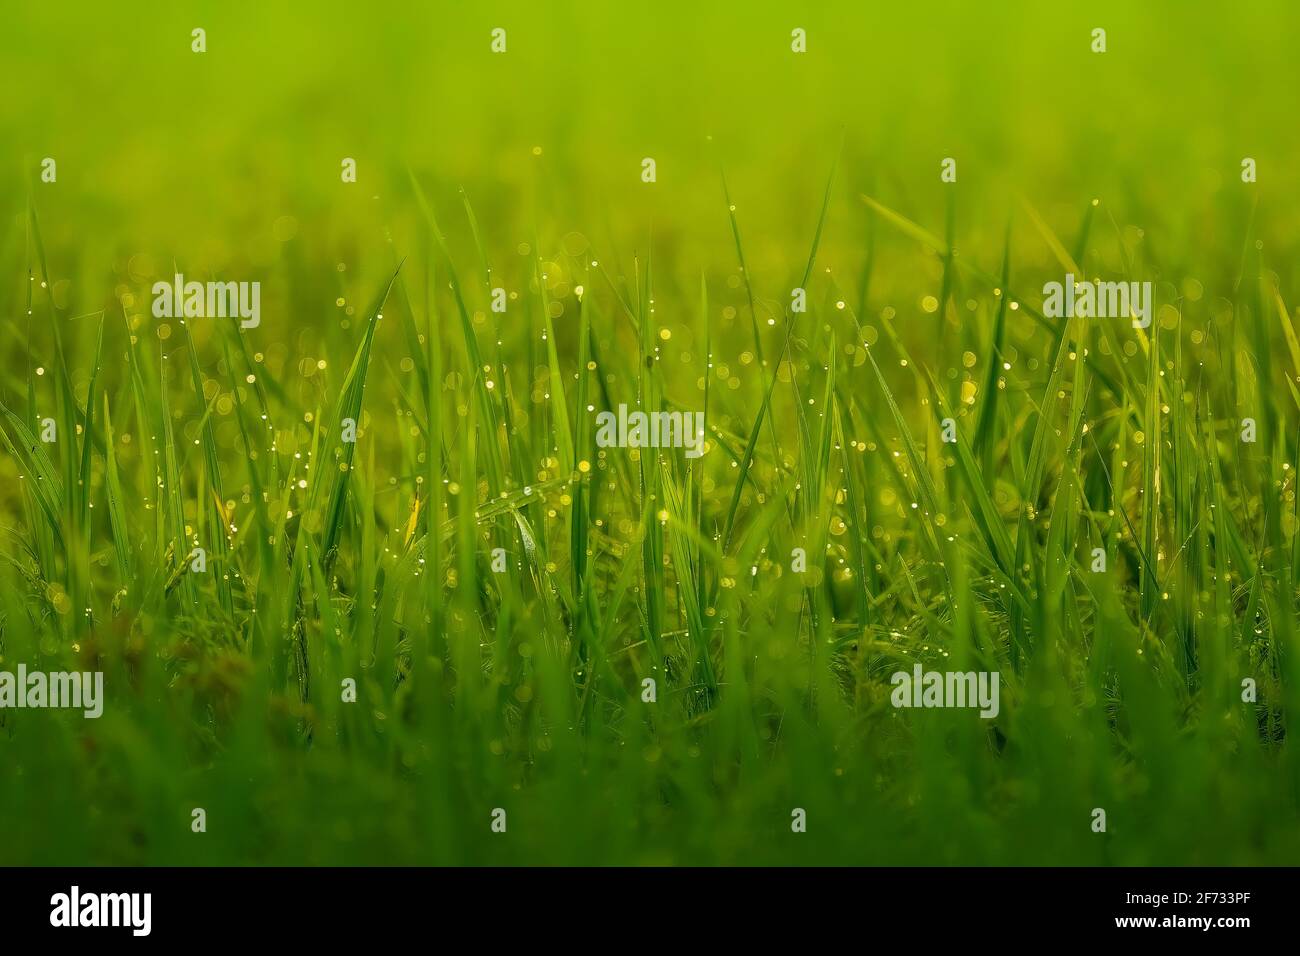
523 690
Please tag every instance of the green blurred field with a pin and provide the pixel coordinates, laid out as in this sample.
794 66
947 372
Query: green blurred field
522 691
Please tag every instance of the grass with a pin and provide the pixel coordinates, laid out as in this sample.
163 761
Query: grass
475 689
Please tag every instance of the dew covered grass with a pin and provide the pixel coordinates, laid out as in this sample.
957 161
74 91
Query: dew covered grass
523 689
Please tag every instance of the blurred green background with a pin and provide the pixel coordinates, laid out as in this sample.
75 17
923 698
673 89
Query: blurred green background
198 155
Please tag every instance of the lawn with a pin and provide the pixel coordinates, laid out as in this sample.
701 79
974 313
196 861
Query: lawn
379 564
